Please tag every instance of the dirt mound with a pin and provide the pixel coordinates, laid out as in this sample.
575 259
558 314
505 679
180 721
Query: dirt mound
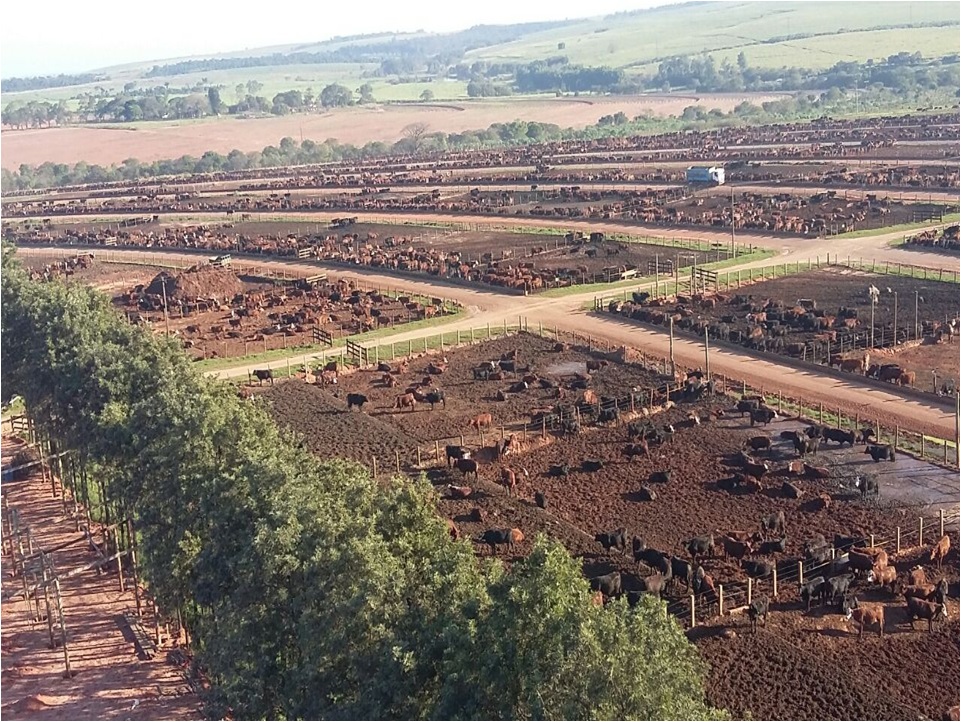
197 282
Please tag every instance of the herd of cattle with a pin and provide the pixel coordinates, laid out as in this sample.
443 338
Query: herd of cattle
765 324
837 573
947 239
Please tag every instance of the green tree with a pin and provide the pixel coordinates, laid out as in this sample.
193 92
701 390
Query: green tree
427 96
366 92
239 91
216 104
336 96
254 87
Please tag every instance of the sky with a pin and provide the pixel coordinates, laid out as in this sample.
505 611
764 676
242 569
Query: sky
42 37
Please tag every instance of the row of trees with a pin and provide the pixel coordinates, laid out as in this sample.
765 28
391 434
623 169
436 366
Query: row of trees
901 72
311 591
289 152
43 82
160 104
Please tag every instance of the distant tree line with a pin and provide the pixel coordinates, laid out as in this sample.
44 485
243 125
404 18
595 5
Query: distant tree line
159 103
289 152
902 72
42 82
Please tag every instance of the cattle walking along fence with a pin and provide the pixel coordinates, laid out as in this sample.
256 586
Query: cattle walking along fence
788 574
112 540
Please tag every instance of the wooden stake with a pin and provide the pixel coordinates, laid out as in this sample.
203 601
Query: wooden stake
774 580
920 531
897 541
693 615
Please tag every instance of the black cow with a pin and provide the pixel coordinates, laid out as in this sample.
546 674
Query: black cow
507 365
592 465
880 453
435 397
607 584
757 568
840 436
790 491
456 452
646 493
651 557
763 415
264 375
540 499
814 432
682 570
700 545
466 466
632 450
758 610
868 486
836 588
818 555
495 537
810 591
616 539
867 435
773 547
606 416
659 477
559 470
357 400
846 542
746 406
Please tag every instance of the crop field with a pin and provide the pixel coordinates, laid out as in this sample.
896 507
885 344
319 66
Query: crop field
358 125
731 319
811 649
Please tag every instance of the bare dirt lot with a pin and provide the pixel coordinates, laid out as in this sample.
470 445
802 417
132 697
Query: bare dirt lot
833 288
110 681
148 142
806 657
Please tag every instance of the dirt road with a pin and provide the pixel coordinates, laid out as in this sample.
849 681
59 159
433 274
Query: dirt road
567 314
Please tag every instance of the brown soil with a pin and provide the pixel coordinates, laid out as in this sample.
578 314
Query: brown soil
110 681
154 141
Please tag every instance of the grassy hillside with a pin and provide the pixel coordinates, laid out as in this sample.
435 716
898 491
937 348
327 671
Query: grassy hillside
770 34
642 37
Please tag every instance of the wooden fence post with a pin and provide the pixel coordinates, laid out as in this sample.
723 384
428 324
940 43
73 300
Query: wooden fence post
750 585
897 436
779 401
436 451
821 413
941 521
418 456
897 541
871 539
373 465
800 572
720 599
693 615
774 580
397 459
920 531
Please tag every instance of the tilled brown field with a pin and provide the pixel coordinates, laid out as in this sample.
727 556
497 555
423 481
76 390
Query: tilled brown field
466 397
804 664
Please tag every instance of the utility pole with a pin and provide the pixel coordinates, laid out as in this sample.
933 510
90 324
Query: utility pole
163 284
916 316
673 369
733 245
895 318
707 358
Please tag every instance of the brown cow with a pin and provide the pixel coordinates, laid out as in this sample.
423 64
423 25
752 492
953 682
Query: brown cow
405 401
883 576
481 420
917 576
590 398
940 550
863 616
452 530
907 378
509 480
